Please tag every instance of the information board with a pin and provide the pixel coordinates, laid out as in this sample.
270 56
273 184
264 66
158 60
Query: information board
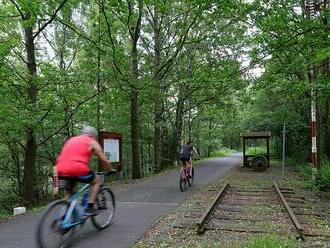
112 149
111 143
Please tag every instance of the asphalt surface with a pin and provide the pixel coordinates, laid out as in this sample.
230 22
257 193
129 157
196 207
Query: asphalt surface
139 205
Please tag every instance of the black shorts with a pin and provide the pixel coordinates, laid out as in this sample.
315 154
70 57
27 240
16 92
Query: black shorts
185 159
70 182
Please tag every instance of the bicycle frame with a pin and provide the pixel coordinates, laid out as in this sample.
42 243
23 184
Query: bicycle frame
67 223
186 169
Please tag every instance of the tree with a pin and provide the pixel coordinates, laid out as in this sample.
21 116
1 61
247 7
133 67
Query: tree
28 18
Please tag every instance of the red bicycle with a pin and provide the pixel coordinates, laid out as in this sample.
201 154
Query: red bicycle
186 177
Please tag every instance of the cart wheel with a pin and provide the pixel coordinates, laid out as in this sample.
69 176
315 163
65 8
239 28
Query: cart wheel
259 163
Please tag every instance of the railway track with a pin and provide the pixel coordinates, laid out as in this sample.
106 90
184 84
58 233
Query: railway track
265 210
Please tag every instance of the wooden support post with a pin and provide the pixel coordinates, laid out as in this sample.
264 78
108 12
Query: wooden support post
268 156
244 152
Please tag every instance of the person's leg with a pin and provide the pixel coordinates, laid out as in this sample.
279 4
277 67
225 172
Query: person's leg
94 189
183 168
69 186
188 167
95 183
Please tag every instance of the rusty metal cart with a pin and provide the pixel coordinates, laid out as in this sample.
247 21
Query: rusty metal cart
258 162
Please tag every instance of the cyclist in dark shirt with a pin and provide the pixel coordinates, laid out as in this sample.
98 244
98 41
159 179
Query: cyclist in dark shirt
185 154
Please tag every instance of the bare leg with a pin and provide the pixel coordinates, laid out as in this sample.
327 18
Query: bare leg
94 188
188 167
184 169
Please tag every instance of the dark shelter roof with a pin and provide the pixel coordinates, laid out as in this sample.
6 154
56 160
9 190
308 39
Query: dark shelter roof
256 135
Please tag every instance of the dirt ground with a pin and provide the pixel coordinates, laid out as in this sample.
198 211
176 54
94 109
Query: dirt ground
262 214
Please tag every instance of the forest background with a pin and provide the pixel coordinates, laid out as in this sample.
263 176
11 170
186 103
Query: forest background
160 72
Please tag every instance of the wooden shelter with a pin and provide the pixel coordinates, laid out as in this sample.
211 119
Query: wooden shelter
254 136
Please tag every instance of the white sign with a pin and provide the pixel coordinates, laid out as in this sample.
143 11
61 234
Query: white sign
111 149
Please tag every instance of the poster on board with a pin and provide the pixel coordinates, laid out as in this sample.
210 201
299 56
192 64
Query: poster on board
112 149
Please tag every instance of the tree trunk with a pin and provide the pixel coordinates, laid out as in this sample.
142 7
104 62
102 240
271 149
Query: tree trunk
15 156
209 147
325 68
189 126
141 155
158 109
135 32
157 134
136 171
318 134
327 128
29 177
178 123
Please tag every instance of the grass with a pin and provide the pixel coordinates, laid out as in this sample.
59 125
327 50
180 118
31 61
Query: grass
222 152
324 224
303 177
256 151
265 241
323 177
270 241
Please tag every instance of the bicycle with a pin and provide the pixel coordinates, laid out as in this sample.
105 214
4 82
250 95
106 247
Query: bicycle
186 177
65 216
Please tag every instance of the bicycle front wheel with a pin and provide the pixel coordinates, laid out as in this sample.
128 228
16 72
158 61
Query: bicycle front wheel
50 229
105 202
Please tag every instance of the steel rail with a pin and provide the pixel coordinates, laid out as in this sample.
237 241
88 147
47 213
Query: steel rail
207 215
294 219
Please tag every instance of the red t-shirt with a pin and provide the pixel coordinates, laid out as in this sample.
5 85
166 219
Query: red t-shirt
74 157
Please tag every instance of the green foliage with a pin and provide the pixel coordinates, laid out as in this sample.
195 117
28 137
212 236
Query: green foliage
222 152
323 177
196 88
258 150
270 241
306 170
304 176
8 198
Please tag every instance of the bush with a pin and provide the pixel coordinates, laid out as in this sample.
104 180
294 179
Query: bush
323 177
8 197
8 201
305 169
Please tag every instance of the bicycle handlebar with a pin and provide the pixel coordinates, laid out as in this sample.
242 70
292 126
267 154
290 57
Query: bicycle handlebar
106 173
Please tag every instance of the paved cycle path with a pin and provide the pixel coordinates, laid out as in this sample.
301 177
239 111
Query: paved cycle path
139 205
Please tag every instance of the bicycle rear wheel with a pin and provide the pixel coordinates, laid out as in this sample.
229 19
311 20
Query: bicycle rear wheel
183 182
50 230
105 202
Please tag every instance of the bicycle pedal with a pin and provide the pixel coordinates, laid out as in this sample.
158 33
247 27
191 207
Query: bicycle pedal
91 212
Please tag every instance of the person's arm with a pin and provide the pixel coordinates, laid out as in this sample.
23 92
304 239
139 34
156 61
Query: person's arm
196 153
97 150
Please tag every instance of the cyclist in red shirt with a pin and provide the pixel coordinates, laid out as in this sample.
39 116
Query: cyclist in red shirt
73 163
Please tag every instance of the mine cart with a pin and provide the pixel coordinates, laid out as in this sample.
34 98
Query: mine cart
259 161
